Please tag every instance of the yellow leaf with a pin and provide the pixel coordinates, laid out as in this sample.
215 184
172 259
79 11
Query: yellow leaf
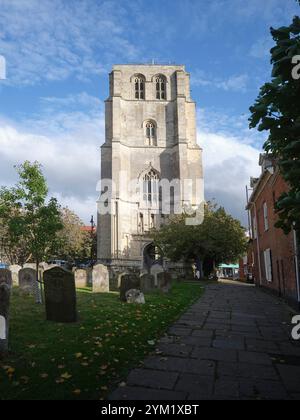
66 375
77 391
78 355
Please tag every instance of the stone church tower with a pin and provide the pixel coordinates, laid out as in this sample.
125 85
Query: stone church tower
150 139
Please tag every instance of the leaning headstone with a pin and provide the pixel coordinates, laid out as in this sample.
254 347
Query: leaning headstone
27 280
14 269
155 270
5 290
135 296
164 282
81 278
60 295
147 283
100 278
128 281
30 265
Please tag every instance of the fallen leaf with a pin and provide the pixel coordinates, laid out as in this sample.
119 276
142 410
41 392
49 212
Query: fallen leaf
66 375
77 391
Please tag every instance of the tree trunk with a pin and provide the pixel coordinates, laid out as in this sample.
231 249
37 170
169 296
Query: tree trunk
38 294
4 317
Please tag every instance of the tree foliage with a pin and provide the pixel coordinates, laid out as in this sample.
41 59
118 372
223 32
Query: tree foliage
219 239
277 110
76 242
29 223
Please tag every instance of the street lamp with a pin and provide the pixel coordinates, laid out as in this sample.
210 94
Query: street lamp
93 225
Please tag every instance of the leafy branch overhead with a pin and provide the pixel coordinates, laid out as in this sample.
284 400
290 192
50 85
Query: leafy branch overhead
277 110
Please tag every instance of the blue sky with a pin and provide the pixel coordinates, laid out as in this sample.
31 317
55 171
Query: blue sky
58 55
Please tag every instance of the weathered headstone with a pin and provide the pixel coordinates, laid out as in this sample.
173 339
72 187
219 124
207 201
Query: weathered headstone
60 295
5 290
14 269
82 277
155 270
100 279
164 282
135 296
147 283
128 281
27 280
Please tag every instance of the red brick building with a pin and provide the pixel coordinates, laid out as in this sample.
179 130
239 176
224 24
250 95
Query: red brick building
275 256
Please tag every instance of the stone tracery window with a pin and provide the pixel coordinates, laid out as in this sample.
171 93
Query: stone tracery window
151 187
150 128
139 87
160 84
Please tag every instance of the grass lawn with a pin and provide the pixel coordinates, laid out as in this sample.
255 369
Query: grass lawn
84 360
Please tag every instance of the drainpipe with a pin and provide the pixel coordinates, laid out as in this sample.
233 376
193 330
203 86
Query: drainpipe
297 264
258 245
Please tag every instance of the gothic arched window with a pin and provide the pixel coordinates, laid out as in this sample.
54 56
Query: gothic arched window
151 187
150 128
139 87
160 84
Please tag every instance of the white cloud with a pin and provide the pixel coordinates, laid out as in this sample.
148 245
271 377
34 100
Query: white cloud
55 39
235 83
228 166
69 152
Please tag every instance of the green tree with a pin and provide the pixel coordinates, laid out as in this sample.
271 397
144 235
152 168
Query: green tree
28 218
219 239
277 111
76 242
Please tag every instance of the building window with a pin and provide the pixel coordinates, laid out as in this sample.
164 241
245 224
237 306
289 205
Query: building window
150 128
139 87
151 188
266 217
152 222
160 83
141 224
268 265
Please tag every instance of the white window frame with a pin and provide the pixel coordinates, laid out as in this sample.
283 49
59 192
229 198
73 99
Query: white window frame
266 217
268 265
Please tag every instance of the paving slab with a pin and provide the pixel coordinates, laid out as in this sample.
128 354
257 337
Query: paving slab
233 344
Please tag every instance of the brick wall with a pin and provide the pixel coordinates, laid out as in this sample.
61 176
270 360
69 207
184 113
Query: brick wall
283 264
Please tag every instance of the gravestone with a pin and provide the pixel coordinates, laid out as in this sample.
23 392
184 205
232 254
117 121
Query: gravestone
155 270
27 280
135 296
164 282
82 277
100 278
128 281
147 283
60 295
14 269
5 290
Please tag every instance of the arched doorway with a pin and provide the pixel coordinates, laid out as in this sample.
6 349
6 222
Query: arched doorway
151 255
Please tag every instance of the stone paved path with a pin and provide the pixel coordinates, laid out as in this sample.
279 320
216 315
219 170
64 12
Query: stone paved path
234 343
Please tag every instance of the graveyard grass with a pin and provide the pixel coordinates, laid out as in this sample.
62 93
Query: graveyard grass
88 359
